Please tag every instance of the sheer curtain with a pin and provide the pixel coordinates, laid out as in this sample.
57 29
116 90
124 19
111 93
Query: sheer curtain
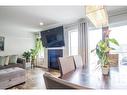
83 41
66 47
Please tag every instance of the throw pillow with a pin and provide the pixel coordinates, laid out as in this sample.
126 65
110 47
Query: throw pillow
2 60
13 59
6 60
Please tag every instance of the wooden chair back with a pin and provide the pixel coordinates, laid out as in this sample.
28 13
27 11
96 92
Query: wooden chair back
66 64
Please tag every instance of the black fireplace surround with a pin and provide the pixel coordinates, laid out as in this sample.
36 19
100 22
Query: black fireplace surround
53 55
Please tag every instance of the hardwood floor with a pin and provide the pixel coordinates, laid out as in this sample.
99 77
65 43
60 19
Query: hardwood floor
34 79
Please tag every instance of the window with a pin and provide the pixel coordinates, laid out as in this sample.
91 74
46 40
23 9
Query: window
41 54
73 42
120 34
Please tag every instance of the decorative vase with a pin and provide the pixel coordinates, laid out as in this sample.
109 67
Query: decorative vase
105 70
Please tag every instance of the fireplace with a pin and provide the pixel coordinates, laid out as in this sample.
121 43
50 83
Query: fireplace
53 55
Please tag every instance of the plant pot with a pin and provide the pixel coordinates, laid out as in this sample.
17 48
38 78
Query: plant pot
105 70
27 60
33 61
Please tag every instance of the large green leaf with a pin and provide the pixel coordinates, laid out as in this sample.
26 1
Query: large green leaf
107 49
114 41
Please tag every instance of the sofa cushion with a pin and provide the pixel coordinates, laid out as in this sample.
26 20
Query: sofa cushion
13 59
6 60
2 60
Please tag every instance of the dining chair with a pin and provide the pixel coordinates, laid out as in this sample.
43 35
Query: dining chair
66 64
52 82
114 60
78 61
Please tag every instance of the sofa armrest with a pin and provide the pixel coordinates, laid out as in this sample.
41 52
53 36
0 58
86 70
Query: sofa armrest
21 61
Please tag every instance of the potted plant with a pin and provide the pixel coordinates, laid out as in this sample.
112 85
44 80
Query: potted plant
102 50
33 55
27 55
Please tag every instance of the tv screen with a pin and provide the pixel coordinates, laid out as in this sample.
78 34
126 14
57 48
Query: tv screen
53 37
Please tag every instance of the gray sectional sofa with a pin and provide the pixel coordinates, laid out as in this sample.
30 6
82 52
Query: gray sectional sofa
20 63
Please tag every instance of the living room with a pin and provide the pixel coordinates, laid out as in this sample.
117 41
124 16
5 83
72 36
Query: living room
21 26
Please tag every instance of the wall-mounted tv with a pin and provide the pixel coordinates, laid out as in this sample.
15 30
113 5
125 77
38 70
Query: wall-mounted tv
53 37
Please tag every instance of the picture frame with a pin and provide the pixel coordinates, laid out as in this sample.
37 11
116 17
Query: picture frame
2 43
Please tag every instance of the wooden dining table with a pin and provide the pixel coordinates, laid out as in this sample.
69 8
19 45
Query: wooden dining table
117 78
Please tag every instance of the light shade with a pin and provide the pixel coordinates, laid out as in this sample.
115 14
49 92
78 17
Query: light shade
97 15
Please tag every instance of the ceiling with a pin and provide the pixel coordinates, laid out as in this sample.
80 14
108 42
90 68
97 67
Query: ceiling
27 18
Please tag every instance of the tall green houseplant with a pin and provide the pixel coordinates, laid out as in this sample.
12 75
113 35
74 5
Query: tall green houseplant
102 50
37 49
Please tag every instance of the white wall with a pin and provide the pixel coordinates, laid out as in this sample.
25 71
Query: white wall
16 42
